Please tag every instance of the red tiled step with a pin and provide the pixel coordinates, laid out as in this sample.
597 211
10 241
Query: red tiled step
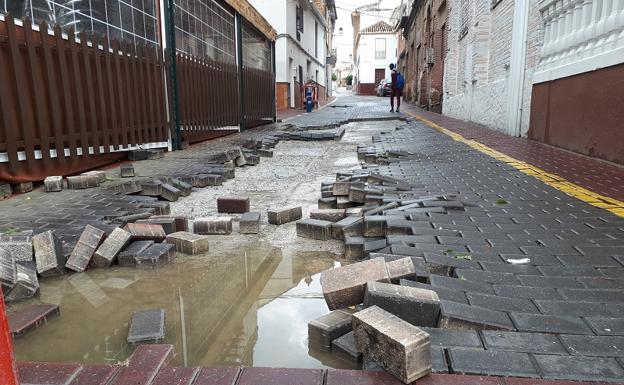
532 381
30 317
353 377
217 376
274 376
96 375
175 376
144 365
34 373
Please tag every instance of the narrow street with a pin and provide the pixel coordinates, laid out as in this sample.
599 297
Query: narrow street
248 301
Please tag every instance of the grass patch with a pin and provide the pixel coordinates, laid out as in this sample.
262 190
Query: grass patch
501 202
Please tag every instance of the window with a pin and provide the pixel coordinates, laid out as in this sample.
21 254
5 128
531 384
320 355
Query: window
299 18
316 39
380 48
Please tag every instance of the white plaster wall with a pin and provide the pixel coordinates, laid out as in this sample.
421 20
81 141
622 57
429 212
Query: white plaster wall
485 105
274 11
366 53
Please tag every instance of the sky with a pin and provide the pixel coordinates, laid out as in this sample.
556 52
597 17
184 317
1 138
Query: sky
344 43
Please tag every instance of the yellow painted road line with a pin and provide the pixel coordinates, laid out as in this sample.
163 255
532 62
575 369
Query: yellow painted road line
613 205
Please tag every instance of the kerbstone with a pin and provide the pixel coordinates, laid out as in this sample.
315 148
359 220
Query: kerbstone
345 286
48 254
87 244
105 254
189 243
419 307
328 327
213 225
399 347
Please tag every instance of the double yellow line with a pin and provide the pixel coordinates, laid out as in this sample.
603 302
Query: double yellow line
613 205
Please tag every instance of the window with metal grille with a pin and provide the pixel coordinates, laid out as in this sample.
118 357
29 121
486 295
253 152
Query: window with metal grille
380 48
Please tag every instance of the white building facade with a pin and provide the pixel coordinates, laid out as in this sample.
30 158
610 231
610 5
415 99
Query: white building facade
375 49
300 47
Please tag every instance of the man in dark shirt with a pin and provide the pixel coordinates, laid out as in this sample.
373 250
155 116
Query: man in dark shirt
396 91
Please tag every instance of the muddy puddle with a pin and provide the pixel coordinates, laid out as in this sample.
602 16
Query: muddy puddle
245 306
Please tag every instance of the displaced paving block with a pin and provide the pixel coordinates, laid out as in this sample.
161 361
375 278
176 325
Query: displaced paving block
170 193
151 188
181 221
343 203
347 227
168 224
53 183
213 225
314 229
156 255
279 217
126 170
346 346
403 268
232 205
48 254
129 187
357 195
147 326
127 257
27 283
419 307
160 207
455 315
125 219
5 190
354 248
188 243
82 182
19 245
155 153
140 154
401 348
8 271
328 327
145 232
344 286
331 215
81 255
343 188
30 317
250 223
265 153
100 175
105 254
21 188
185 188
327 203
374 226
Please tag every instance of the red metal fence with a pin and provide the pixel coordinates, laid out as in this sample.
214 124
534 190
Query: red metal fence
259 94
61 98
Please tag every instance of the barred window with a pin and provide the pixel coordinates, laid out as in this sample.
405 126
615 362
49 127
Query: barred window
380 48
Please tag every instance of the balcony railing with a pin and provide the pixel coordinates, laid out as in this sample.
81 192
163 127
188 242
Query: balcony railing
580 36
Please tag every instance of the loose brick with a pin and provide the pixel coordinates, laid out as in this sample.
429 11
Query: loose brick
328 327
250 223
100 175
189 243
181 221
152 188
349 226
147 325
128 255
145 232
456 315
107 252
232 205
419 307
168 224
156 255
327 203
48 254
399 347
87 244
170 193
344 286
314 229
213 225
21 188
19 245
346 345
126 170
331 215
402 268
82 182
184 188
27 283
53 183
280 217
5 190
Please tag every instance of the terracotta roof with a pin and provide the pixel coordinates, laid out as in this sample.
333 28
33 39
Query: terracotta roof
378 27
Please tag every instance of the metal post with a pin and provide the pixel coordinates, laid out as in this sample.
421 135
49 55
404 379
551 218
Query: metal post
274 68
8 371
239 58
175 116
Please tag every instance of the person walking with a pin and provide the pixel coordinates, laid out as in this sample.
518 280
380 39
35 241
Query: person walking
396 84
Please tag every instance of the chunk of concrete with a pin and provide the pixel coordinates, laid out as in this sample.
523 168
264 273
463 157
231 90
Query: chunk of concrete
345 286
314 229
420 307
326 328
188 243
331 215
250 223
87 244
280 217
27 283
107 252
147 326
48 254
53 183
146 232
213 225
127 257
401 348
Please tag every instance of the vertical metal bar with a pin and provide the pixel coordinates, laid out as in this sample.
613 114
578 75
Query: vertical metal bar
273 73
239 58
98 57
92 113
8 371
171 44
53 91
79 96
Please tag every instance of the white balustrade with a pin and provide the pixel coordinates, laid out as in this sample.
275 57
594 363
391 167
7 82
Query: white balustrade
580 36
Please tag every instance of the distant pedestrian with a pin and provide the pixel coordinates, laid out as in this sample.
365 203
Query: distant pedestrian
397 88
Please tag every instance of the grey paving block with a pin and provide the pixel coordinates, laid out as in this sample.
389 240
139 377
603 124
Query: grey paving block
326 328
492 362
523 342
349 226
107 252
26 285
314 229
556 282
458 315
606 326
546 323
596 346
128 255
601 283
48 254
438 360
445 294
574 271
53 183
579 368
156 255
571 308
8 270
87 244
147 325
526 292
593 295
486 276
595 261
250 223
454 338
460 285
346 345
420 307
507 304
509 268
